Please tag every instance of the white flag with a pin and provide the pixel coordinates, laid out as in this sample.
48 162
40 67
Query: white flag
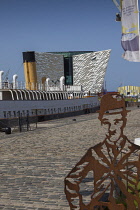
130 30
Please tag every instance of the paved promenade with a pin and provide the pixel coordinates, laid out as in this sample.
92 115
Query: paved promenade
33 164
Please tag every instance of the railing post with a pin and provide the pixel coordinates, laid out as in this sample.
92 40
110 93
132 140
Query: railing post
27 119
19 121
1 73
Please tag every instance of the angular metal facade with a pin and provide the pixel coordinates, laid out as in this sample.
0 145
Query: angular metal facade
49 65
89 70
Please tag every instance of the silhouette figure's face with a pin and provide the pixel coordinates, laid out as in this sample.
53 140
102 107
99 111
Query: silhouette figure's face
114 125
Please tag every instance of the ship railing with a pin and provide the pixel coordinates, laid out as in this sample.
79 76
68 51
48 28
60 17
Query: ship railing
6 85
77 88
39 86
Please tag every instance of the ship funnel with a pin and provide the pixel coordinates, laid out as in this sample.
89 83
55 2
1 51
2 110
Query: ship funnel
30 70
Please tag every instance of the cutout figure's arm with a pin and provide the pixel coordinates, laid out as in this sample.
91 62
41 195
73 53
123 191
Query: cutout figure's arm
74 178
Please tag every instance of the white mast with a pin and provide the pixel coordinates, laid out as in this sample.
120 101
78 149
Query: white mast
117 5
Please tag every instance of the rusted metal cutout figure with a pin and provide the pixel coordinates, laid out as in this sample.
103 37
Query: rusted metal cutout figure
108 175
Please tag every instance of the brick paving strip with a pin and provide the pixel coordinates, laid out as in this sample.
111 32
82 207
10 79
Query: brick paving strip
33 164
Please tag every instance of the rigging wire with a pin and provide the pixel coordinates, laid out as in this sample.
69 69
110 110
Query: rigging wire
19 68
6 76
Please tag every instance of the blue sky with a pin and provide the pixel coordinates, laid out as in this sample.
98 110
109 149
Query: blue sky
63 25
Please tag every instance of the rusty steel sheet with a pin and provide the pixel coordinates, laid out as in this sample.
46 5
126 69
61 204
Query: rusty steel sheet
108 176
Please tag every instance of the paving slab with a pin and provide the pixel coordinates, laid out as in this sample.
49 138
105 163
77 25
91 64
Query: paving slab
33 164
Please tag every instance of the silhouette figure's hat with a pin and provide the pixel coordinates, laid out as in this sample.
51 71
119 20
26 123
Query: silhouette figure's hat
114 102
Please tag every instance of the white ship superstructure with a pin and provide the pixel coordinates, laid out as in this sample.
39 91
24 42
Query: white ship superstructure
54 101
53 94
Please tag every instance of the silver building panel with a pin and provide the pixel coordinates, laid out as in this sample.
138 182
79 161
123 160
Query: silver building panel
89 70
49 65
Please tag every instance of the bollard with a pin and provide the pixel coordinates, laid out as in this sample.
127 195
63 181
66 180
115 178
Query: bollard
137 141
8 130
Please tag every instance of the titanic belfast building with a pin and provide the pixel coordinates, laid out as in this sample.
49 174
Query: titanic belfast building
80 68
